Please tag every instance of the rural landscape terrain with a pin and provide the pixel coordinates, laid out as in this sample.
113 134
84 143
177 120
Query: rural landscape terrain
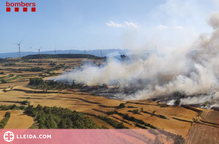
31 98
108 72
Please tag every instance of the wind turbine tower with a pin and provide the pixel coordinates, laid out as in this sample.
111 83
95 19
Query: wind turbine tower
19 48
39 50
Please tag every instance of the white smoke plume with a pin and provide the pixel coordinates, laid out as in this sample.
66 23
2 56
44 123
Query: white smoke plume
192 70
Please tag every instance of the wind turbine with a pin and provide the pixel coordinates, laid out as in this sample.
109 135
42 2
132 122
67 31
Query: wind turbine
55 51
39 49
101 54
19 48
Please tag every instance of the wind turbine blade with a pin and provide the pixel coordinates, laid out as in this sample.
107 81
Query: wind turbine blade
15 43
20 41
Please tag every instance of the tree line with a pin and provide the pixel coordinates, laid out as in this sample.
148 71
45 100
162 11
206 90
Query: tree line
39 83
59 118
4 121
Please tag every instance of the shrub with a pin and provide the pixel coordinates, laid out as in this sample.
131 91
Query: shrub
4 81
25 102
2 73
131 107
7 114
11 75
36 69
135 111
52 63
142 109
121 105
9 64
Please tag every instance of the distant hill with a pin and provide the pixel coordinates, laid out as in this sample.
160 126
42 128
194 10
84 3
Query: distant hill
37 56
105 52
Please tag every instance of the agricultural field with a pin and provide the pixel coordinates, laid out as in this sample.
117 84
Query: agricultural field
15 89
18 120
2 113
211 117
203 134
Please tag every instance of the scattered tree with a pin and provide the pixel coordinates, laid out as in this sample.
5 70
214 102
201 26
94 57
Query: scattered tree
142 109
177 102
121 105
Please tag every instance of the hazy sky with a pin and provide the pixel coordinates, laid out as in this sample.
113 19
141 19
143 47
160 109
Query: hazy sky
104 24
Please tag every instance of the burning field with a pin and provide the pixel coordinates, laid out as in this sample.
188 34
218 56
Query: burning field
189 74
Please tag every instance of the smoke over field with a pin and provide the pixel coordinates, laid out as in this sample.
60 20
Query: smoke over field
193 71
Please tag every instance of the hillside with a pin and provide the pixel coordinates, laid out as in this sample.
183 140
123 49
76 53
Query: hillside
25 82
105 52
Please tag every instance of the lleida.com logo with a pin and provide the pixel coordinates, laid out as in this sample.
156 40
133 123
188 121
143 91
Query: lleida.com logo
23 5
8 136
